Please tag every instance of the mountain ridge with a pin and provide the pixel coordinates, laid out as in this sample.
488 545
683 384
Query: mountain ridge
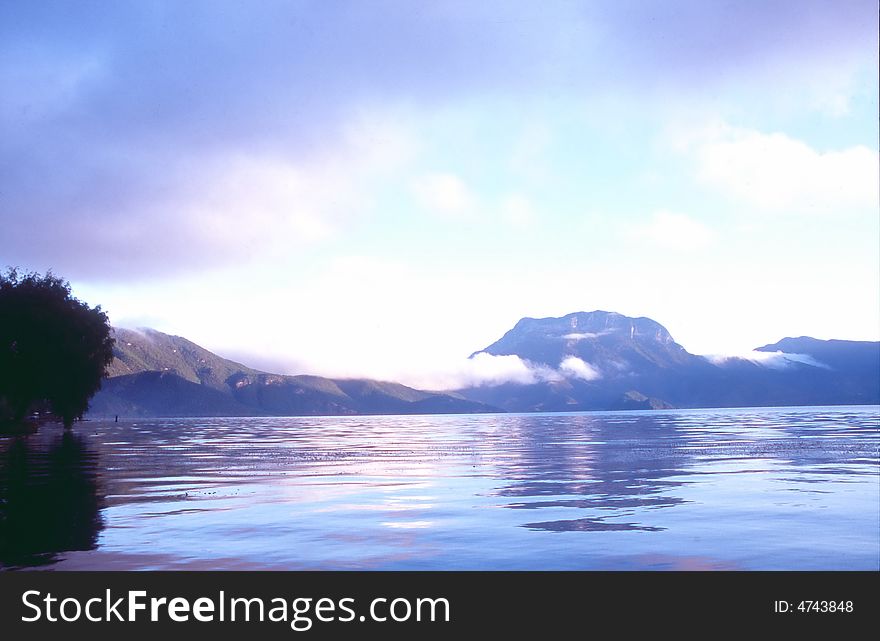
158 374
607 361
583 361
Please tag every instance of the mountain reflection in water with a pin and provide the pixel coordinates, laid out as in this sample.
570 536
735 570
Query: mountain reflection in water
758 488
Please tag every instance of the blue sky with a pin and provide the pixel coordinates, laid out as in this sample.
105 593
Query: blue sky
381 188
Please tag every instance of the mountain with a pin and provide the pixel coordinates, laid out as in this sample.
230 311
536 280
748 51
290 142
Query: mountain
832 369
155 374
608 361
147 350
594 337
582 361
857 357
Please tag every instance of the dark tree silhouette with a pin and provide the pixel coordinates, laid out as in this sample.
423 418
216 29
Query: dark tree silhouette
54 349
50 499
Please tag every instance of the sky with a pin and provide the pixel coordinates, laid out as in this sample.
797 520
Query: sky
380 188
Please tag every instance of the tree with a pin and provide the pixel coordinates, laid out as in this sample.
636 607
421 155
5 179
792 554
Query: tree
54 349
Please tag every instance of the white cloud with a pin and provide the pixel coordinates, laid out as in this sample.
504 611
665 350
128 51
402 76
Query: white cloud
382 141
528 159
835 104
487 369
481 370
518 211
232 207
778 173
670 230
773 360
260 201
573 366
443 193
383 317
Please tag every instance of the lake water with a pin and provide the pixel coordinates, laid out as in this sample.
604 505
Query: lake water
782 488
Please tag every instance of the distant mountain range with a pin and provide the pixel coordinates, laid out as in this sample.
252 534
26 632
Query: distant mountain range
154 374
606 361
582 361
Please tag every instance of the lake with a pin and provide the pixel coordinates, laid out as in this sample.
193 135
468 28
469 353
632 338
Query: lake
751 489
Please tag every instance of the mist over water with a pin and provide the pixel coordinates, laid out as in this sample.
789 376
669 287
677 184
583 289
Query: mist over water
758 488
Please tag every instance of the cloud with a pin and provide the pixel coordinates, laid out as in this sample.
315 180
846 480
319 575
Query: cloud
447 195
141 139
798 55
529 156
481 370
778 173
143 333
487 369
518 211
672 231
443 193
154 215
579 336
772 360
574 367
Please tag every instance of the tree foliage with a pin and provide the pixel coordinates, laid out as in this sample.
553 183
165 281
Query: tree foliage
54 349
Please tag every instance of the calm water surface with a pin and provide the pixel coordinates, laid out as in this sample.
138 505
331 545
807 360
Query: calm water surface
785 488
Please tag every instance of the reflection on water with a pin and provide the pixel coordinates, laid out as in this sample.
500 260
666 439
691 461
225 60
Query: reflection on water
617 464
790 488
49 498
